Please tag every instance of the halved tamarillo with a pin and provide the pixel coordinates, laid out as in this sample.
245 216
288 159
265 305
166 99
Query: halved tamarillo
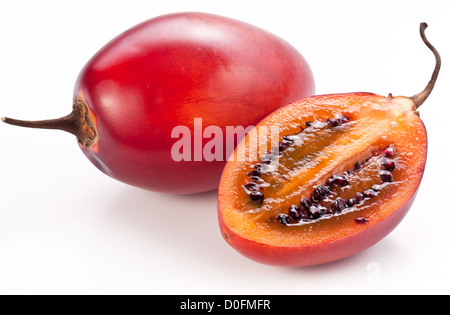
152 108
325 177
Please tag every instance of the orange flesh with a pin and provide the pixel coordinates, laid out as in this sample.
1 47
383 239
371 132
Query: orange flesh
376 123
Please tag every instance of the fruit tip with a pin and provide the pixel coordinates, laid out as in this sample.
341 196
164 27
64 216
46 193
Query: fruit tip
423 25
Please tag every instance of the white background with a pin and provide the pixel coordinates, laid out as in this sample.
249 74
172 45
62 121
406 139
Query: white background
65 228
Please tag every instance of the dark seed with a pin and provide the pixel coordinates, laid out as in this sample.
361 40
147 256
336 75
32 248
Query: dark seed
309 123
351 202
255 172
257 179
283 218
305 204
256 196
386 176
283 145
357 166
316 212
338 121
388 165
335 122
361 220
389 152
359 197
325 190
338 205
340 180
266 159
369 193
319 193
295 212
251 186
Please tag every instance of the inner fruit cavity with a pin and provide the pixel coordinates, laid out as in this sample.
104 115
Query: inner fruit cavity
279 185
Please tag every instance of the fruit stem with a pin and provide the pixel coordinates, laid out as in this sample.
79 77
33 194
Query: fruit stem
420 98
79 123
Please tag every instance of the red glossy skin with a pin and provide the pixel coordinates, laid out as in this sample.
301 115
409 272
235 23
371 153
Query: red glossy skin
169 70
304 256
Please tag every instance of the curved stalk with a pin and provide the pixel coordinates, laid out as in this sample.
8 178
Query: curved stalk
420 98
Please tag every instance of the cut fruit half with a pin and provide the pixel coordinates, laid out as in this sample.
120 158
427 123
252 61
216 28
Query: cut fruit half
336 174
334 189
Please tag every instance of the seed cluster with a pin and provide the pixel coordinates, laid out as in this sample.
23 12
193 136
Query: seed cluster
256 183
311 209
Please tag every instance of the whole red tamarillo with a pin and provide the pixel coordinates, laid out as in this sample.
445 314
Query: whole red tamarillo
169 79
